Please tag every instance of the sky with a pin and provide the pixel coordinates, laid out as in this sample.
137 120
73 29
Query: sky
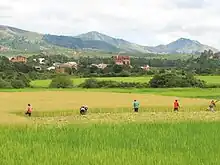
145 22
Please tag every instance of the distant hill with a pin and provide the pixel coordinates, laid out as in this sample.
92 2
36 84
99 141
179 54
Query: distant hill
17 39
182 46
119 44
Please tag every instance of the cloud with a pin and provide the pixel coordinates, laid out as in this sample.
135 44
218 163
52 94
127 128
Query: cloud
188 4
142 21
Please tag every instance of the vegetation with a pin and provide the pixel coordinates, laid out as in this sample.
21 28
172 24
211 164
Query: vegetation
110 133
211 81
61 81
204 65
128 144
172 80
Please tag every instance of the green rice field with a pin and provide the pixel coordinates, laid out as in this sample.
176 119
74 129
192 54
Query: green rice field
106 144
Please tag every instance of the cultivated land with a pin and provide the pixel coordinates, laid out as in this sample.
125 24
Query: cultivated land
110 133
211 80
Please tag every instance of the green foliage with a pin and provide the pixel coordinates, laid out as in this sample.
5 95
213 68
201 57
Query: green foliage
18 84
61 81
112 144
171 80
94 83
4 84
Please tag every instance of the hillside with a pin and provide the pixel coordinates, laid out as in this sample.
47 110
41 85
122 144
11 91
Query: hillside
12 39
120 44
17 39
182 45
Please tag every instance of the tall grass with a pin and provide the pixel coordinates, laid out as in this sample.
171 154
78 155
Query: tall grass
124 144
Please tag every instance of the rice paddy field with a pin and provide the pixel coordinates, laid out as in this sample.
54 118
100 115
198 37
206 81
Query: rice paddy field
110 133
211 80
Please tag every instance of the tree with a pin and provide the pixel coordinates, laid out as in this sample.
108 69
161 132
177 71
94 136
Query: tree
18 84
61 81
90 83
4 84
171 80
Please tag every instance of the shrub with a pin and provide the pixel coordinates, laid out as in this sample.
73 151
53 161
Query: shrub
90 83
171 80
4 84
22 77
18 84
94 83
61 81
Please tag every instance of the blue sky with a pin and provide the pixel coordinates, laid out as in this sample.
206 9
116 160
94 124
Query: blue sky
146 22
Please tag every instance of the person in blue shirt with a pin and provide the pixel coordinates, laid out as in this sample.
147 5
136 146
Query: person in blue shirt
136 105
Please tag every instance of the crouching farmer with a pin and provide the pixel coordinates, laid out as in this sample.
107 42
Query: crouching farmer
83 109
29 110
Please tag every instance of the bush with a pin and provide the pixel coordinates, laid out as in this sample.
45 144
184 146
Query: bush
25 80
94 83
18 84
90 83
171 80
61 81
4 84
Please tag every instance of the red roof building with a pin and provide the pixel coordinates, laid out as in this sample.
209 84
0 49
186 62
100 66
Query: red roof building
122 60
19 59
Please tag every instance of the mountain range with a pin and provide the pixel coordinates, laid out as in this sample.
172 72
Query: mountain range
17 39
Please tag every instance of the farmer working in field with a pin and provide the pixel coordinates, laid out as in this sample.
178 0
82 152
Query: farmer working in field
136 105
29 110
212 105
83 109
176 106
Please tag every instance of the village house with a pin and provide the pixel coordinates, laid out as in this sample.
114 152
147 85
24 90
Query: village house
61 67
100 66
18 59
121 60
51 68
146 67
41 60
3 48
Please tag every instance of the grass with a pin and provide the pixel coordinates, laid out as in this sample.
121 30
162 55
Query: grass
77 81
211 80
206 93
187 143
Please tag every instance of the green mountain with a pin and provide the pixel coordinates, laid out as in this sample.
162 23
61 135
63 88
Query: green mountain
120 44
17 39
14 39
182 46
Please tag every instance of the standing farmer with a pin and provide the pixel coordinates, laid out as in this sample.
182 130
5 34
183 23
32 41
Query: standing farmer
29 110
136 105
176 106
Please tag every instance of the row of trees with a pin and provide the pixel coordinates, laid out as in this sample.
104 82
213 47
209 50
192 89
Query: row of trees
162 80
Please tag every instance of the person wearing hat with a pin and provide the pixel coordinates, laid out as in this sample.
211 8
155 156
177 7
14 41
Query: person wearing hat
83 109
29 110
136 105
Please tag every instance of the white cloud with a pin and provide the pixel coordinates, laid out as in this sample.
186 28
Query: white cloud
148 22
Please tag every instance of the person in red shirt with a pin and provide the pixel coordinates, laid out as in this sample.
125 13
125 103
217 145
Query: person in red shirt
29 110
176 106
